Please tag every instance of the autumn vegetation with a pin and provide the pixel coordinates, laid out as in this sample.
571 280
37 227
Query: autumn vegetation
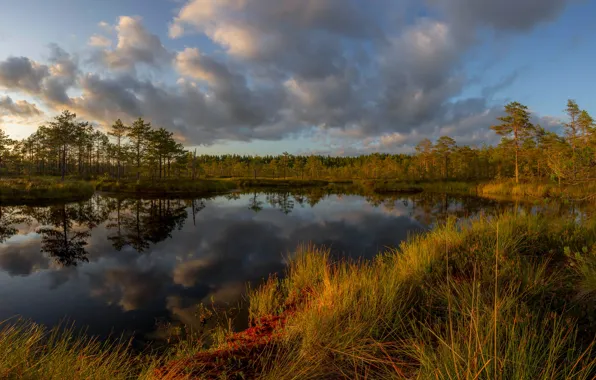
139 157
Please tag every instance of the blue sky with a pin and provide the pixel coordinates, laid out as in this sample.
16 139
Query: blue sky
265 76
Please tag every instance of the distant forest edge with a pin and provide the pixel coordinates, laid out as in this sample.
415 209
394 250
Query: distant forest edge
67 146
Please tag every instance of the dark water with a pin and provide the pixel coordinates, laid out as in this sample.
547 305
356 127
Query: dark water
126 266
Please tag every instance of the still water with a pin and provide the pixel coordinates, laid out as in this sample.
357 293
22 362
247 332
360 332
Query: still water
127 266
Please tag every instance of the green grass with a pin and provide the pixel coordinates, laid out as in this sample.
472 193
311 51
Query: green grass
168 187
40 189
506 297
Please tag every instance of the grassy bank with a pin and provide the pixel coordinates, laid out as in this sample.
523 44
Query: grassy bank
504 189
168 187
43 189
585 191
509 297
506 298
391 186
280 183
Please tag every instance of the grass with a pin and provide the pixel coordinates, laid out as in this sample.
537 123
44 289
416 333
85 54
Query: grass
393 186
168 187
41 189
456 303
274 183
538 190
30 351
505 297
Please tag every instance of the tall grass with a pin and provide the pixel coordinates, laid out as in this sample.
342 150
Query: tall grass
442 305
29 351
538 190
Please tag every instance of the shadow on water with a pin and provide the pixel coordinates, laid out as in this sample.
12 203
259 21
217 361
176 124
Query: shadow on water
125 265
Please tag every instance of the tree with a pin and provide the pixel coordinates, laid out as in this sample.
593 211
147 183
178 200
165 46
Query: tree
5 144
445 146
572 127
63 132
285 157
119 131
516 127
139 134
586 125
424 151
313 165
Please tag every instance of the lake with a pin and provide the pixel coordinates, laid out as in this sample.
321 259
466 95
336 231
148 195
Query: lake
131 266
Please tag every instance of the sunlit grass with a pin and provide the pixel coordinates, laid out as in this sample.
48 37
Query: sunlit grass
444 305
509 188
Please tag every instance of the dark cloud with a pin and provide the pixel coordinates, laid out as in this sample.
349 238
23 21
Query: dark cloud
21 73
19 108
509 15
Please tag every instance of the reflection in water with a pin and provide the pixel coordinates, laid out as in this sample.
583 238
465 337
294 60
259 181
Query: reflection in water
195 250
9 217
61 242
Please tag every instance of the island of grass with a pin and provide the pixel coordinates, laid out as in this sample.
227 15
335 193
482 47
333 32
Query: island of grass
508 297
167 187
26 190
280 183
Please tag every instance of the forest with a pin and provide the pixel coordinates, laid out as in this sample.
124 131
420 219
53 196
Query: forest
67 146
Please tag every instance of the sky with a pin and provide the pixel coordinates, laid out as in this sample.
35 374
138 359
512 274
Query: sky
339 77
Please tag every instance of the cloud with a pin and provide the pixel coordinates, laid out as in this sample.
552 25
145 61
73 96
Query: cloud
50 82
21 73
508 15
129 287
135 46
97 40
364 76
22 259
19 108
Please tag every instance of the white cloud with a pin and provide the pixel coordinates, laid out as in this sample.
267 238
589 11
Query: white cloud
97 40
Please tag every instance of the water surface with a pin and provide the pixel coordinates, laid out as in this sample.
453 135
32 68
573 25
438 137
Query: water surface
126 266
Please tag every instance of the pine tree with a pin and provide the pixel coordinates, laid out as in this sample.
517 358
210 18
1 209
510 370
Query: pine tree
139 134
515 126
119 131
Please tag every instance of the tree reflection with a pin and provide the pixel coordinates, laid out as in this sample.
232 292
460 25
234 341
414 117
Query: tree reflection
197 205
255 204
62 242
9 217
118 239
138 223
162 217
283 201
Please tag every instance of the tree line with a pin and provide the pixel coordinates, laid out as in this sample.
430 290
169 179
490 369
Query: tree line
66 146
